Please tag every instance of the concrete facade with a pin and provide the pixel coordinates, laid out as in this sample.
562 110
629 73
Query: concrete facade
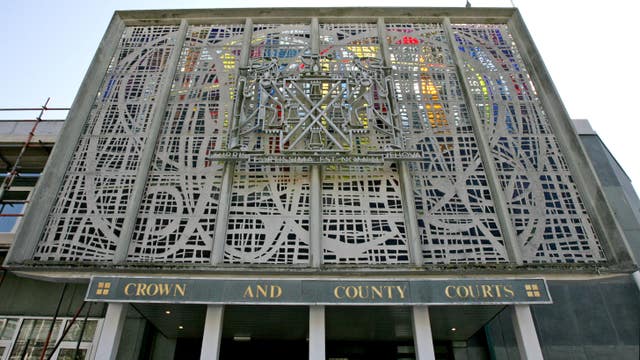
350 145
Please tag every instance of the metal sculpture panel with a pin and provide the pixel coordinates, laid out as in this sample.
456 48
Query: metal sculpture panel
269 212
87 218
363 221
456 215
330 103
176 221
362 216
546 210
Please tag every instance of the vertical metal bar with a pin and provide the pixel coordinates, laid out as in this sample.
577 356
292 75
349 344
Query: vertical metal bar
226 187
84 324
315 200
53 323
243 62
8 180
406 183
148 152
484 147
315 213
66 330
317 344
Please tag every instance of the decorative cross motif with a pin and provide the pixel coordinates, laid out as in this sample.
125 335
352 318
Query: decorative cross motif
311 110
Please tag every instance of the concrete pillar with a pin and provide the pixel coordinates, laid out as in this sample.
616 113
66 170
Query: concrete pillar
526 336
316 333
422 337
636 278
111 331
211 339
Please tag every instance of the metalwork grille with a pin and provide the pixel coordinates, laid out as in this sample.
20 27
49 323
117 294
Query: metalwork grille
363 221
176 220
86 220
546 210
269 215
344 109
362 216
456 216
269 211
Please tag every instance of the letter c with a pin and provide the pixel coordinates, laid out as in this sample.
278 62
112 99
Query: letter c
126 288
335 292
446 291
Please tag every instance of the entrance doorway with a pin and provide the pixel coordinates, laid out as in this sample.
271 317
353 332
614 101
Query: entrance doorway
265 332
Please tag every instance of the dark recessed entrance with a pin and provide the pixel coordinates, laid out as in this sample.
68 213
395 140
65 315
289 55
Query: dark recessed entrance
369 332
265 332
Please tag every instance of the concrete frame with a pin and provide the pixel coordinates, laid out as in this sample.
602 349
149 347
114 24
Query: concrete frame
111 331
525 330
212 336
606 225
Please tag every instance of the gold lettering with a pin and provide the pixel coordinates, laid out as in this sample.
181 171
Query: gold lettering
180 289
140 289
446 291
151 292
276 291
508 292
126 288
261 290
375 290
486 291
389 292
497 288
351 292
165 289
361 293
248 292
462 294
335 292
401 291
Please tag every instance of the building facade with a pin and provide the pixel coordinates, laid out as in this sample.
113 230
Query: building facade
327 183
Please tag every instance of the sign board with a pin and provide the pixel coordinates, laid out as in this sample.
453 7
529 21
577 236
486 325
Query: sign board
318 292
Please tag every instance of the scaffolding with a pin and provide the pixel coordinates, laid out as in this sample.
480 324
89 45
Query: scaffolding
14 166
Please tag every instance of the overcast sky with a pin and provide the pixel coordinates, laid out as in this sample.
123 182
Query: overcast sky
589 49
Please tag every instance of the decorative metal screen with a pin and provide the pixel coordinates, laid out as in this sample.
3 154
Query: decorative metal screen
269 210
363 221
456 214
546 210
176 220
87 218
252 132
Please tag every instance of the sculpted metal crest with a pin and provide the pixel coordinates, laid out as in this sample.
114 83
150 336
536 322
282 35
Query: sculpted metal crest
312 111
